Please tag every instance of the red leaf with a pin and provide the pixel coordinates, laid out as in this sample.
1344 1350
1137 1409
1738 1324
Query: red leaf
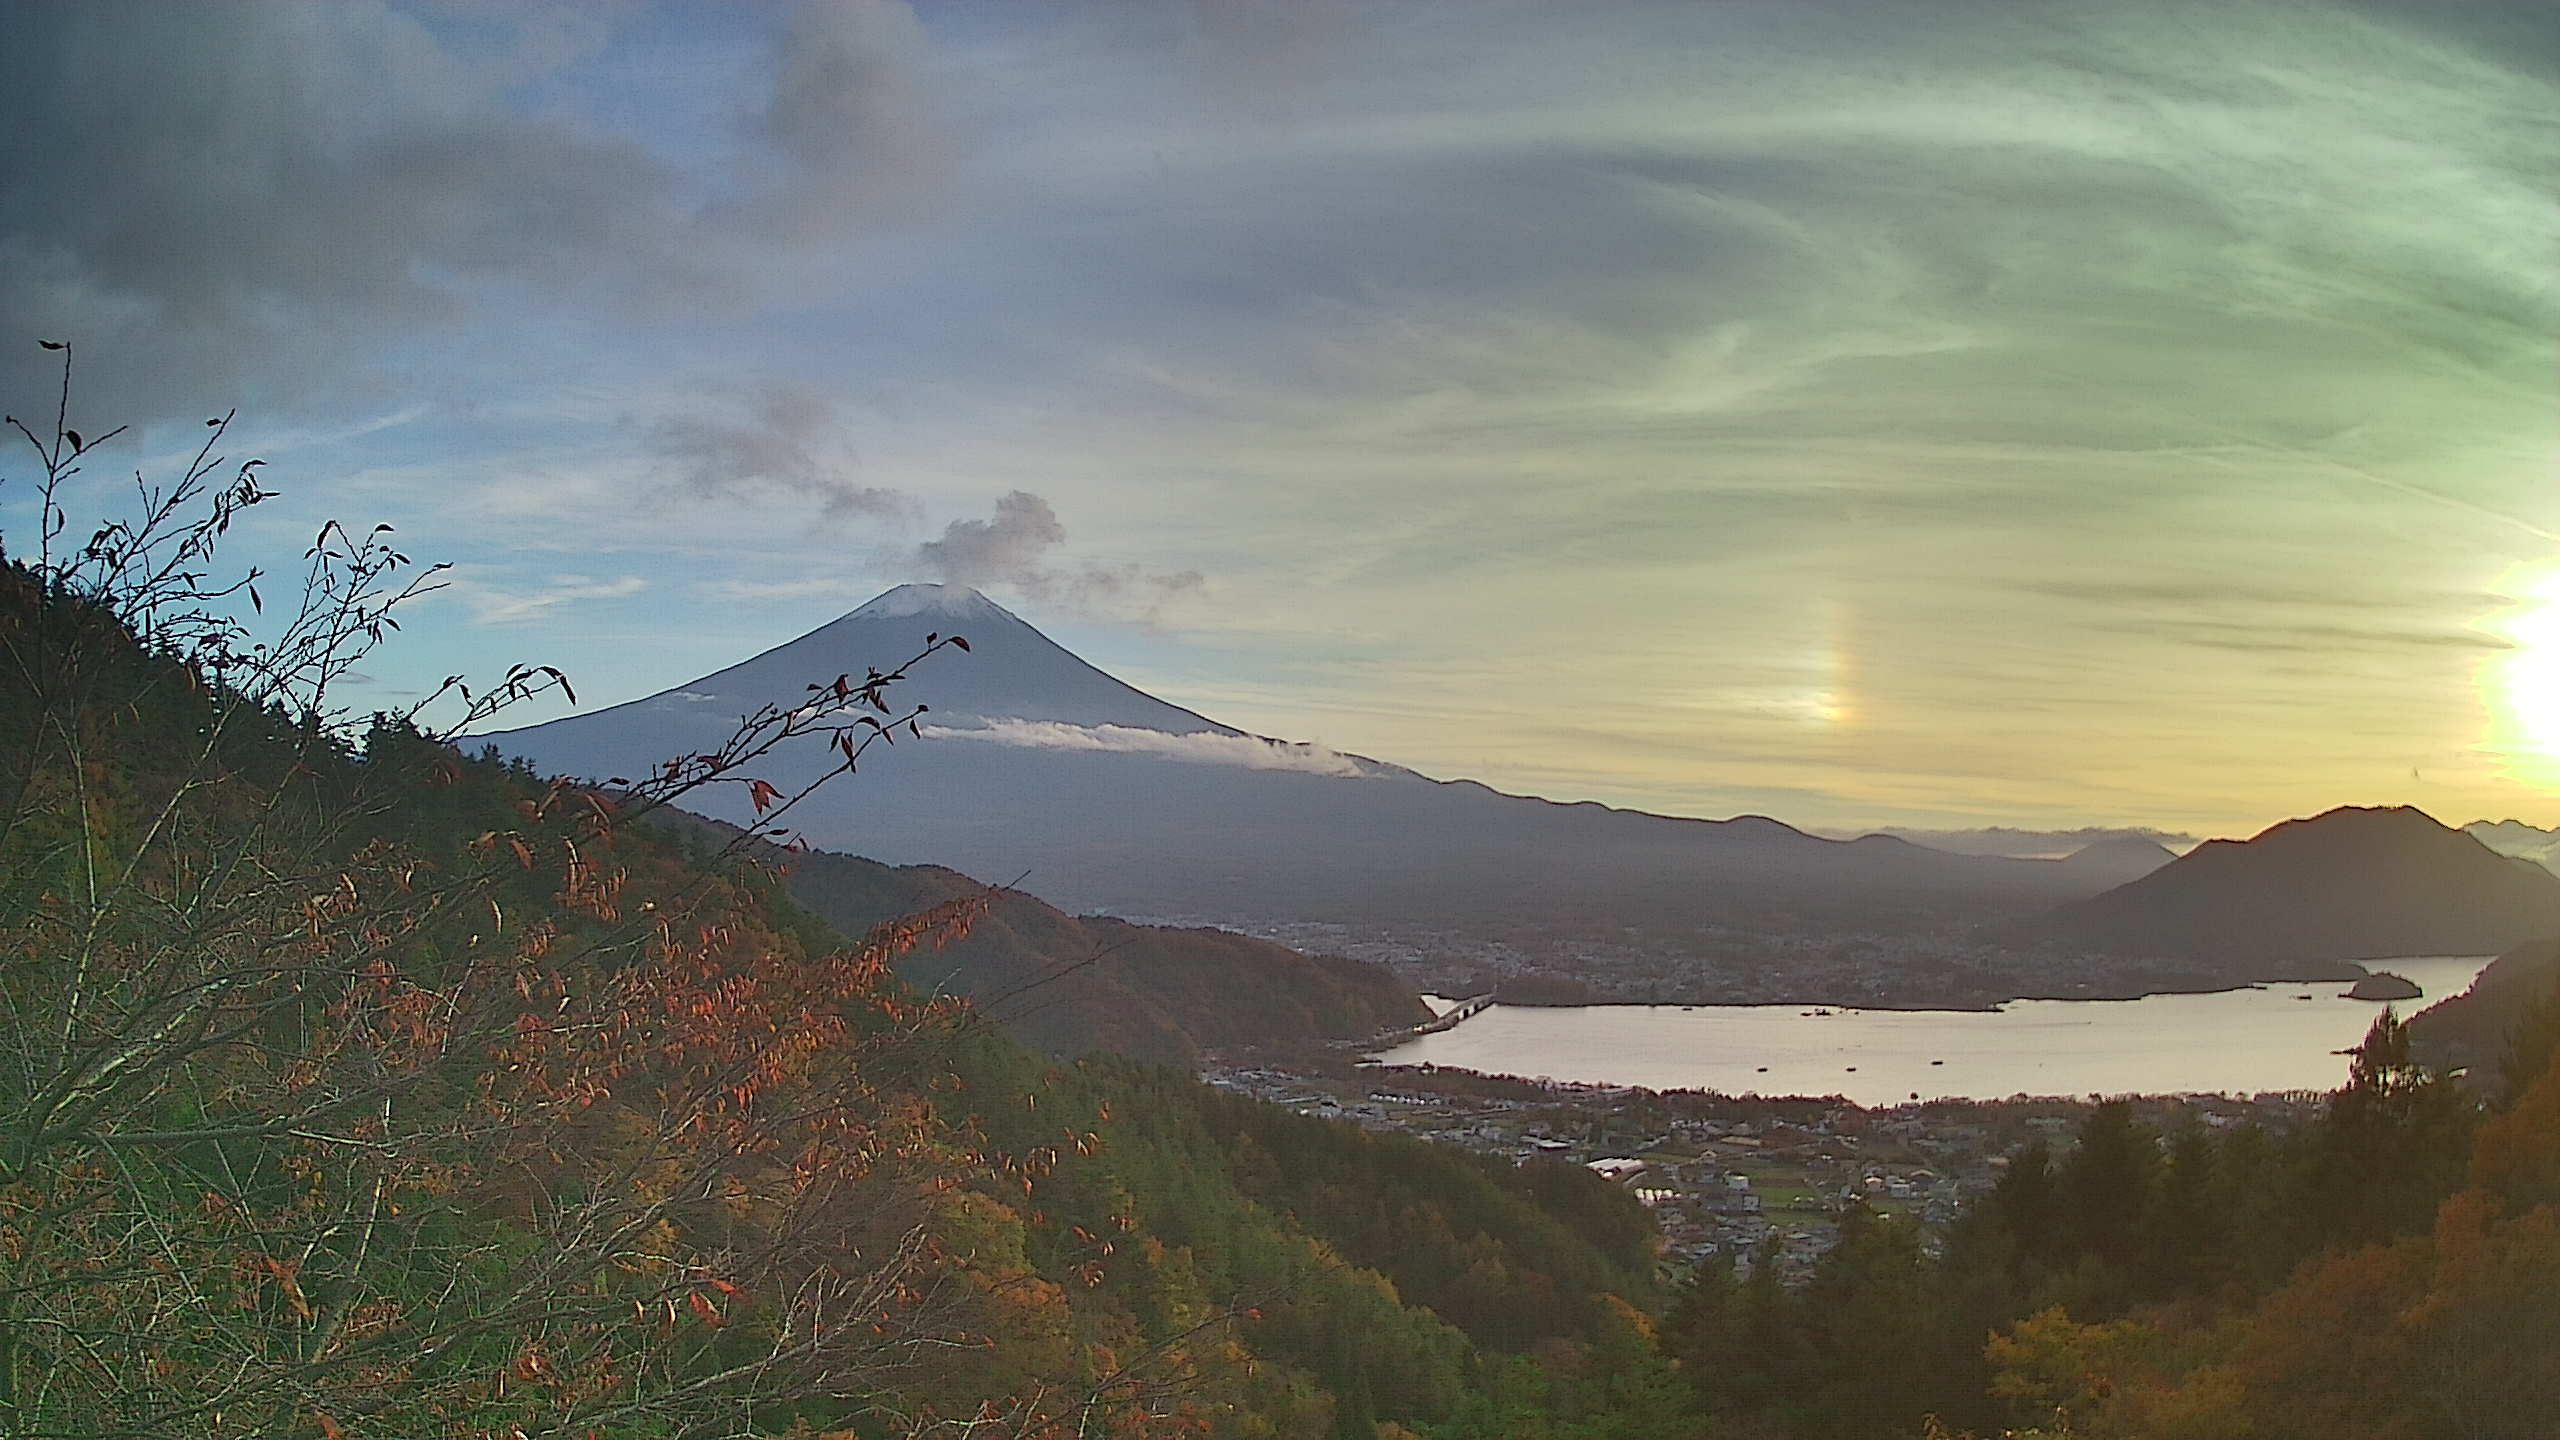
762 794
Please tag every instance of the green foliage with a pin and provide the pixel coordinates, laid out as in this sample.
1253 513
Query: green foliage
2531 1044
2106 1186
2389 1147
1373 1272
1867 1345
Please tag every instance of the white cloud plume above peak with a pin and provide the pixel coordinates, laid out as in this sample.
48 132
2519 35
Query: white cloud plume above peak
1004 549
1012 548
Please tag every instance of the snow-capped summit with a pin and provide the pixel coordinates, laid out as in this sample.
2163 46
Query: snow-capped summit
1010 671
946 602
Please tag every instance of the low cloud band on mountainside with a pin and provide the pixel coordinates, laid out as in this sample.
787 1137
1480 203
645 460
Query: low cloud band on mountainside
1250 752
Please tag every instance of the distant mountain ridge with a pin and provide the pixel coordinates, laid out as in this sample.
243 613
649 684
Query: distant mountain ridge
2120 859
2516 838
2024 844
1106 799
2350 884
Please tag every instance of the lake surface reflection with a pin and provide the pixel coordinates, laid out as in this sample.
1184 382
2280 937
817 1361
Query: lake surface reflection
2239 1042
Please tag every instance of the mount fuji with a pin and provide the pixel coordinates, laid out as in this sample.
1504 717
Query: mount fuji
1033 763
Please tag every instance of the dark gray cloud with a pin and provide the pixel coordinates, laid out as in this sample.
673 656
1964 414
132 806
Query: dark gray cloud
298 207
787 446
852 113
222 203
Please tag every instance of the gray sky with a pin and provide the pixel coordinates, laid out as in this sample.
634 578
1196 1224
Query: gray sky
1924 413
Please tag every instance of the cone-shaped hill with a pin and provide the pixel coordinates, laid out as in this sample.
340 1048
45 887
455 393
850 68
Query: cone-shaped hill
2119 859
2349 884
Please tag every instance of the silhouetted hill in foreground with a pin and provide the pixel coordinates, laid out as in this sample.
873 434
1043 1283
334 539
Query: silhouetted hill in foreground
2471 1029
2350 884
1074 984
1071 984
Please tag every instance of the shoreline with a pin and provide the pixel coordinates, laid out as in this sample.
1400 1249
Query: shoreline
2239 1038
2344 972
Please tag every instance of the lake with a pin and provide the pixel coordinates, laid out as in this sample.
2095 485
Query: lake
2239 1042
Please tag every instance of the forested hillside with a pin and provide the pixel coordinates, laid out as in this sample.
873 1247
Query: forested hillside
2517 997
1068 984
2391 1269
353 1087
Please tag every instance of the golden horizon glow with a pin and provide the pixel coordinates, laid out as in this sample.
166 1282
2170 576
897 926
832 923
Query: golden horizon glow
2523 689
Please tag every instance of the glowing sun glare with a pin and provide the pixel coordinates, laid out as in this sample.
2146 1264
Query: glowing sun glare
2528 683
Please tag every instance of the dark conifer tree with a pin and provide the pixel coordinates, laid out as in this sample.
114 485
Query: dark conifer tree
2106 1185
2024 1204
2184 1237
2388 1148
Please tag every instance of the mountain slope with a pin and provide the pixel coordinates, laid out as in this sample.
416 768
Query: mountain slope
2472 1028
1070 984
1103 798
2350 884
2120 860
1012 671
